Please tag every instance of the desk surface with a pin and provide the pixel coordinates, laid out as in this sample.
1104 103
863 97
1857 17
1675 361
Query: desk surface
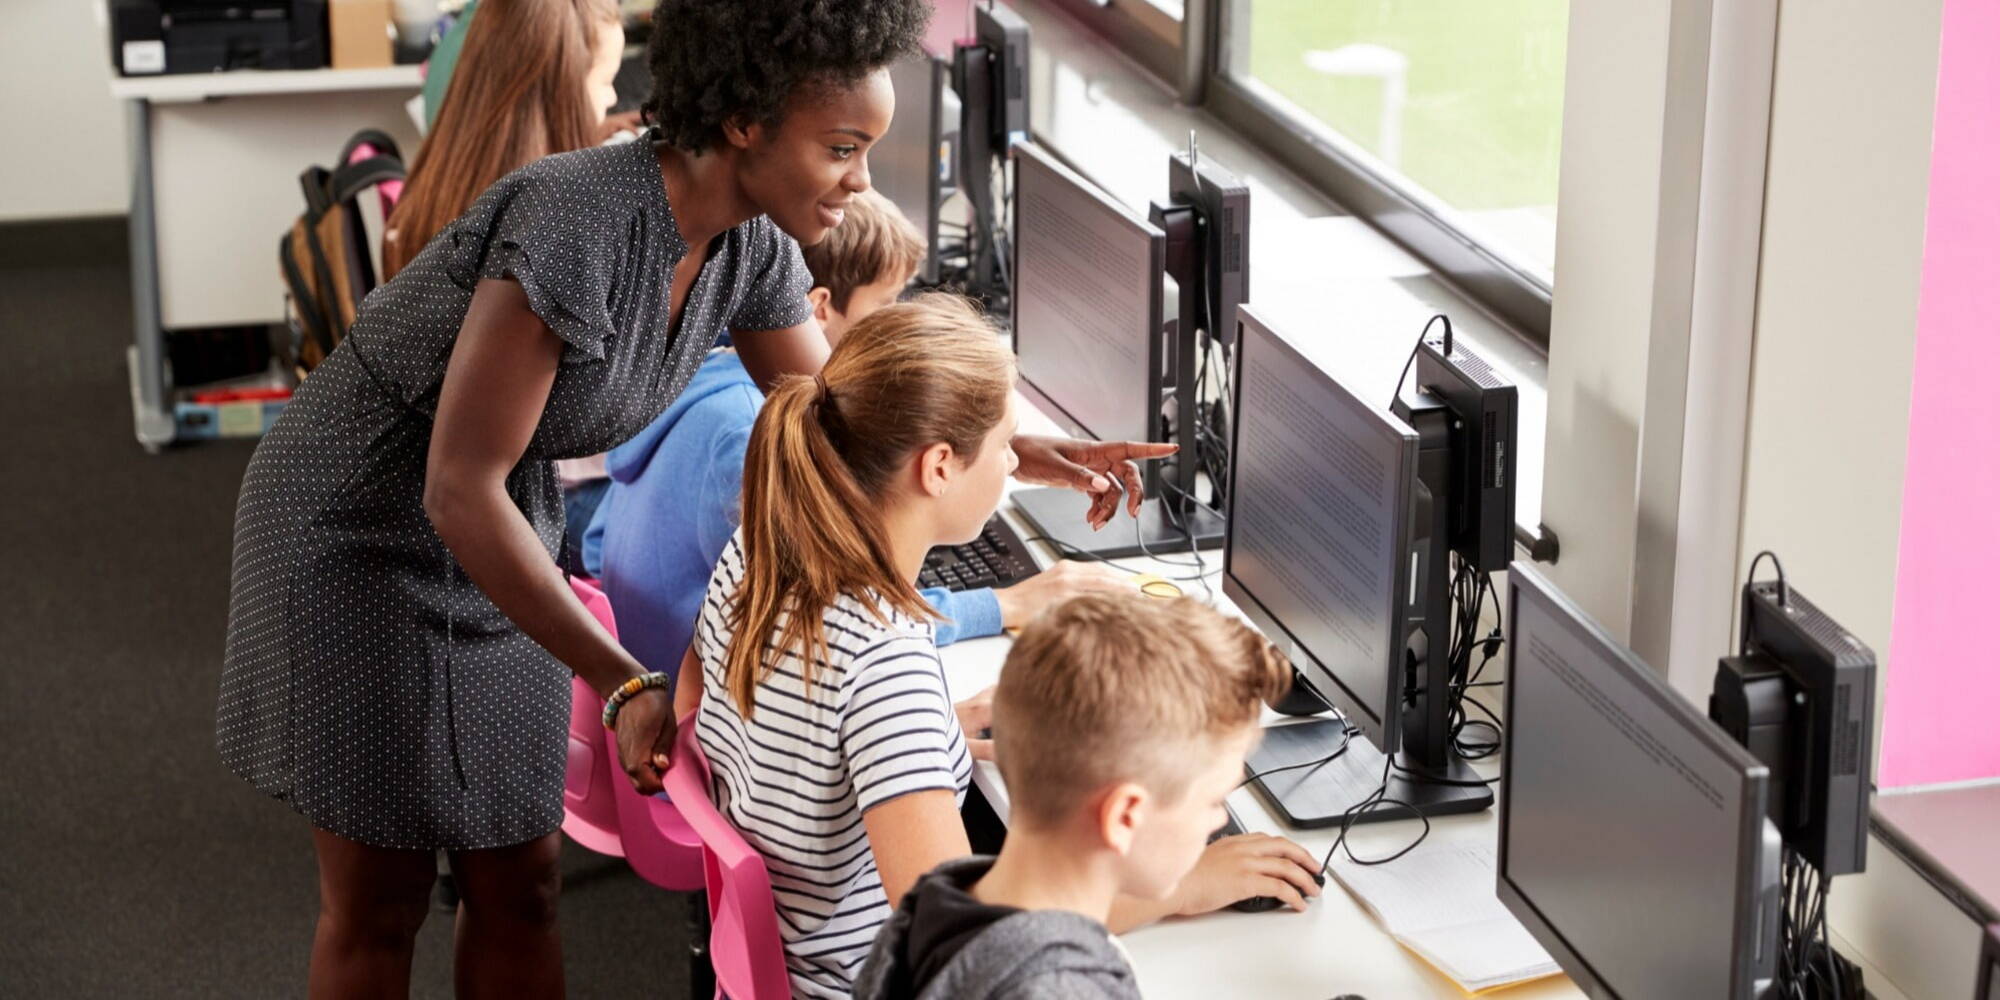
1335 947
179 87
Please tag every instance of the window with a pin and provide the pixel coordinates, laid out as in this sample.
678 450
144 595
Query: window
1150 31
1439 120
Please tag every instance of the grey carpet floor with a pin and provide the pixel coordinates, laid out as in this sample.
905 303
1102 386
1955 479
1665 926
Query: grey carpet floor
135 864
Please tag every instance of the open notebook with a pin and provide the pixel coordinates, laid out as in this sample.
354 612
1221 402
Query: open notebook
1439 902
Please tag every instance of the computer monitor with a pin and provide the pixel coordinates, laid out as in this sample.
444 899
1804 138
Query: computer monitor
1633 839
1087 327
1319 528
1087 306
915 163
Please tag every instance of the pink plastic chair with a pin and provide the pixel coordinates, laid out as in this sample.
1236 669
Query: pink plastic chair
659 844
590 809
743 942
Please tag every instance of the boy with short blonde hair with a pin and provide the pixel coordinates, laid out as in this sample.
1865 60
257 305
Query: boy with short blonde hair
1120 725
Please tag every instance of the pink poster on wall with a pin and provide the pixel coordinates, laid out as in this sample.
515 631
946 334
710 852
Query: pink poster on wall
1944 656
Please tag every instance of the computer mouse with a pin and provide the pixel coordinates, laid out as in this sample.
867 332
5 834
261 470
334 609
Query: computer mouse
1155 585
1265 904
1257 904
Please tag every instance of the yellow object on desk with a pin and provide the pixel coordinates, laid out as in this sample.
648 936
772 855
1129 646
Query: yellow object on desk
1155 585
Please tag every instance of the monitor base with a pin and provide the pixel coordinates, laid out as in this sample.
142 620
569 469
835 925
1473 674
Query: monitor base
1321 795
1058 514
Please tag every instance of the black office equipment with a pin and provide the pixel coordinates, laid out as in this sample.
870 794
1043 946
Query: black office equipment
1634 843
1324 554
990 74
1482 404
1206 219
997 558
1801 696
211 36
1463 413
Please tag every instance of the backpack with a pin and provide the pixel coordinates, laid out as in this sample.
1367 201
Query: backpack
326 257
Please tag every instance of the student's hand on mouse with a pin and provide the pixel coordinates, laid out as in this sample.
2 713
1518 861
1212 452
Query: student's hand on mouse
975 716
1094 467
645 730
1021 602
1247 865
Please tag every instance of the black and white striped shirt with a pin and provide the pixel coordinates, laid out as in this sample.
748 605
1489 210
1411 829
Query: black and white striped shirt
797 775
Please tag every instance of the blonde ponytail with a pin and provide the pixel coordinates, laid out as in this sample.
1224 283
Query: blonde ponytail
820 461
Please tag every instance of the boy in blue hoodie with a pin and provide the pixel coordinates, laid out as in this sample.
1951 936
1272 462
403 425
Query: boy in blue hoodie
672 505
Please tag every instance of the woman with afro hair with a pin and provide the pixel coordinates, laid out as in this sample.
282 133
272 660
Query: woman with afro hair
401 643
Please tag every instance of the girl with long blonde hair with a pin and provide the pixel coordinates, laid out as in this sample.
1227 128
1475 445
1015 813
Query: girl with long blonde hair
829 724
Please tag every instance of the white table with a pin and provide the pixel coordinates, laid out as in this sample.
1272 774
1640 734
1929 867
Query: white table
216 159
1335 947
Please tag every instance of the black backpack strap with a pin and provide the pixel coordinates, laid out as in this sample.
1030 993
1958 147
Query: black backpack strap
312 312
351 179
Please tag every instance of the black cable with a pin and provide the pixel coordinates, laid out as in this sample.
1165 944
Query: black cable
1376 799
1414 348
1346 736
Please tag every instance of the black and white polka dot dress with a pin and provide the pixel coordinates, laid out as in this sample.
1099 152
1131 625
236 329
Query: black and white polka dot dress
367 680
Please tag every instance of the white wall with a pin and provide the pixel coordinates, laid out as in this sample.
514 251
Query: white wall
1849 176
1613 100
65 134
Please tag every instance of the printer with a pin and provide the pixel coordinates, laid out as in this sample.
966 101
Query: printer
210 36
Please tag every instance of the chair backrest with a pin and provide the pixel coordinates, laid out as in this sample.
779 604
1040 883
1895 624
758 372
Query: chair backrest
590 804
743 944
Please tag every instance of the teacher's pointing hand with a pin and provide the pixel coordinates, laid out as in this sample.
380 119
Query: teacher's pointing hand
1094 467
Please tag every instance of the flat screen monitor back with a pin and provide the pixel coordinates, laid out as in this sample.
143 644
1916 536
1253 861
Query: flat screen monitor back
1319 526
1086 302
1633 840
905 166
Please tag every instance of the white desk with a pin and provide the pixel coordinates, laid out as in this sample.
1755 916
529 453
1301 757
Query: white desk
216 159
1335 947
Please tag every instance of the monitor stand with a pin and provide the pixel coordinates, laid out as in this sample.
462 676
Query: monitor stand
1318 796
1058 514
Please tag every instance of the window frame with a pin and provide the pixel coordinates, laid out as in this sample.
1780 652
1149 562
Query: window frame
1196 66
1146 34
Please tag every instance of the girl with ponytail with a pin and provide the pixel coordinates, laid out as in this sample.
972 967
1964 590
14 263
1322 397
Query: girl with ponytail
830 730
829 727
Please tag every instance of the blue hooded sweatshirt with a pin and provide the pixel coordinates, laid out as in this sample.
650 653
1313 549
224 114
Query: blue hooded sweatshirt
673 506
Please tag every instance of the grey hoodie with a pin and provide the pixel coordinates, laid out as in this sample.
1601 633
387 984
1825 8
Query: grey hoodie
942 944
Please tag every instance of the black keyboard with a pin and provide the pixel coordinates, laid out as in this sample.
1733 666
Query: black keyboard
997 558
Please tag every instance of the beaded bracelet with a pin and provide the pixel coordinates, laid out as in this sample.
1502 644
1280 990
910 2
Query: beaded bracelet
626 691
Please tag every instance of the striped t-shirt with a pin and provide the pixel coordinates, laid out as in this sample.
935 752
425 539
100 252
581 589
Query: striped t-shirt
796 776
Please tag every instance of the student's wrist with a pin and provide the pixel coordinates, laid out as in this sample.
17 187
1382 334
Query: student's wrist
1012 607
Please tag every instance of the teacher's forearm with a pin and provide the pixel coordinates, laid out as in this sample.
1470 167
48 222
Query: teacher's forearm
502 555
